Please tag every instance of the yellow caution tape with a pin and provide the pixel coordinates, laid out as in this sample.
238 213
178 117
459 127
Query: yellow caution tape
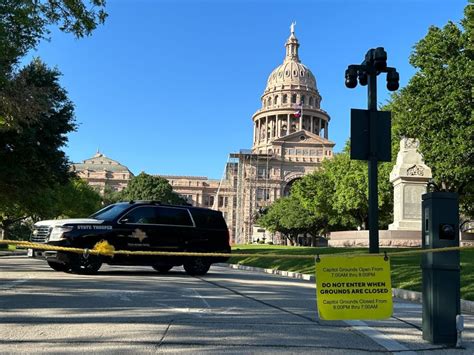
104 248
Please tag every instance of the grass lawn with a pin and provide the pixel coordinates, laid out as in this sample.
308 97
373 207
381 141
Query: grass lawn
406 271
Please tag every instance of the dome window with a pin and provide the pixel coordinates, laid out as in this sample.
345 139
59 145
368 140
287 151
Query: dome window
275 100
295 73
293 98
303 99
302 73
311 101
280 75
285 98
269 101
287 73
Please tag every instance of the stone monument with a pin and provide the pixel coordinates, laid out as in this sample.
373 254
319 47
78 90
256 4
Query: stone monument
409 177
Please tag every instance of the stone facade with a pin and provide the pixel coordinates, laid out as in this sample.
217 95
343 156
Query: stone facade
409 177
101 171
290 140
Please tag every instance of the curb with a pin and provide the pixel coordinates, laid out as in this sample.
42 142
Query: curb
12 253
414 296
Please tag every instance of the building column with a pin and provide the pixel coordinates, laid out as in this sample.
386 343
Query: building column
254 132
326 129
266 129
320 126
311 123
277 130
288 125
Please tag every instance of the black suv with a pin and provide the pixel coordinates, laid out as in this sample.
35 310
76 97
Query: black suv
136 226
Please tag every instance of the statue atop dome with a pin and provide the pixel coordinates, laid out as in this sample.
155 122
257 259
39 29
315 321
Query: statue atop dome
292 27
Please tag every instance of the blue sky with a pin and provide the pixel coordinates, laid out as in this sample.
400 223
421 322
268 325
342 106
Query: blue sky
169 87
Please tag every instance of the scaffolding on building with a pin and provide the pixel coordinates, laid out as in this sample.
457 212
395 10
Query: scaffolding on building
247 185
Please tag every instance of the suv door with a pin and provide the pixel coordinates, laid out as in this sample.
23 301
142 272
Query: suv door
173 224
136 230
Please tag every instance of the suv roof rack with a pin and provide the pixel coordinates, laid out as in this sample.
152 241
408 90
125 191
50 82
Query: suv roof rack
154 202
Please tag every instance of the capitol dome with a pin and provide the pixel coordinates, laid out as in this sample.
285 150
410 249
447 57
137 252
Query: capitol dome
291 73
290 102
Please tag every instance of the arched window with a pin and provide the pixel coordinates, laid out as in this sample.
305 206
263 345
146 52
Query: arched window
310 101
275 100
269 101
293 98
285 98
303 99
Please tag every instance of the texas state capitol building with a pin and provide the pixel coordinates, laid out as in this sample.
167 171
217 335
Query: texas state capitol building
290 139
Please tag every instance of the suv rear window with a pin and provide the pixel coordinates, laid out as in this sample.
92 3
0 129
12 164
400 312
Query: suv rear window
208 219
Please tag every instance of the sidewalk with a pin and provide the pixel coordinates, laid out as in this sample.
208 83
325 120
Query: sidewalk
407 311
414 296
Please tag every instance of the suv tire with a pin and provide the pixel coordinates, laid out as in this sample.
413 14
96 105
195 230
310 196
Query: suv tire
197 266
81 265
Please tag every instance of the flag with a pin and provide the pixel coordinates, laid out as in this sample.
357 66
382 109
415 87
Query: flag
297 114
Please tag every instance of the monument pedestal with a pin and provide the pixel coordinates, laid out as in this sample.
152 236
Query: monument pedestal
387 238
409 178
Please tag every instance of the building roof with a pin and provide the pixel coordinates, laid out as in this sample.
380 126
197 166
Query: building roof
99 162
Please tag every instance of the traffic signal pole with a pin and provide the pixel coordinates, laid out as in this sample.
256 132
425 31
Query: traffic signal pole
370 136
373 162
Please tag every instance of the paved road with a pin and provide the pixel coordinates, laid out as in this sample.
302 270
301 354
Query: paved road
135 310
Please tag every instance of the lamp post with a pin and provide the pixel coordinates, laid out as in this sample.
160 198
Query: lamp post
369 127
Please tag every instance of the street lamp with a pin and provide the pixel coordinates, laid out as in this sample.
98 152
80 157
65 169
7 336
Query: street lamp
370 129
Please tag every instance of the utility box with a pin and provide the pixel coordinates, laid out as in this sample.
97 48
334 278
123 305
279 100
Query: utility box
441 270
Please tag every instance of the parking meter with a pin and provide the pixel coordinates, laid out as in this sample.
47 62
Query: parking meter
441 270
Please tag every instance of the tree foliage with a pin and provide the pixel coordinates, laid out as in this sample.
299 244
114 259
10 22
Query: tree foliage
23 23
73 199
149 187
338 193
35 112
31 155
436 106
287 216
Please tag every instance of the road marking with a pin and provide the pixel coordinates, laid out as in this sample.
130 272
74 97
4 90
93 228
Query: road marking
378 337
201 298
12 284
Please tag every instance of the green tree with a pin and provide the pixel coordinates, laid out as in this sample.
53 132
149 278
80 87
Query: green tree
73 199
110 196
23 23
288 216
76 199
315 191
148 187
31 155
436 106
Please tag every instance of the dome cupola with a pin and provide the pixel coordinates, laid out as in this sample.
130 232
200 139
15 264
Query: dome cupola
292 71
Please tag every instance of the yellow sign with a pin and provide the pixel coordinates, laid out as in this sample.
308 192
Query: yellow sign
357 287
